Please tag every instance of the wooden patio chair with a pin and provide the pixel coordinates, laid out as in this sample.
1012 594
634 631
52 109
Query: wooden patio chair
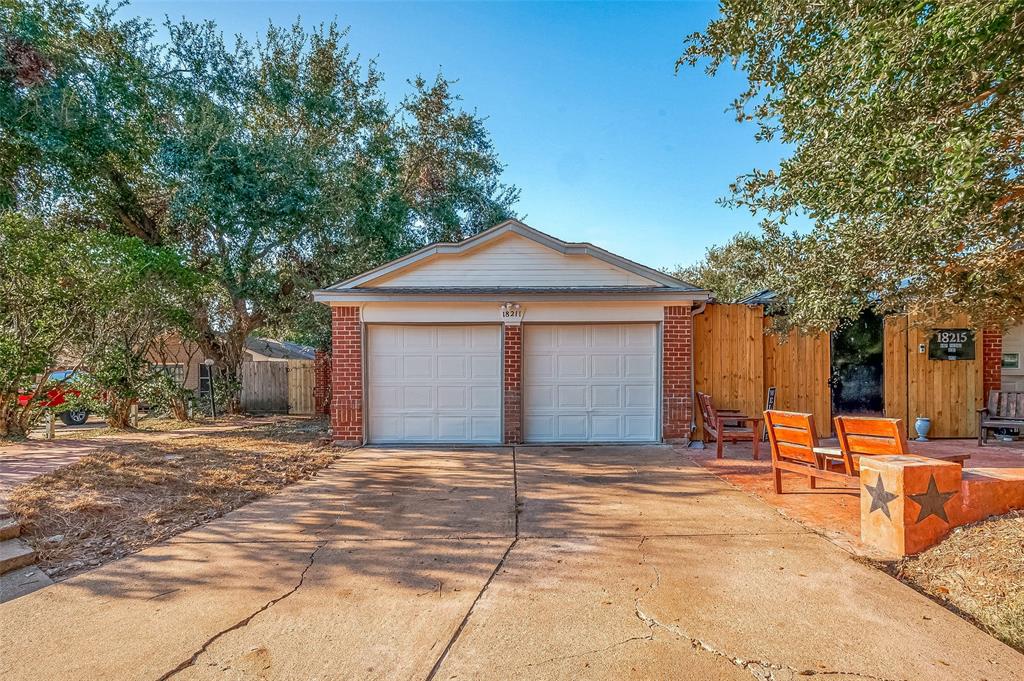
861 436
794 442
726 425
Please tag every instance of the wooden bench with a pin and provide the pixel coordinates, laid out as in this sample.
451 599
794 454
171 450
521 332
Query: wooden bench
1005 410
722 426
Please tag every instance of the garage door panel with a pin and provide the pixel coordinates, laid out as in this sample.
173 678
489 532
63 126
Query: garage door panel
572 397
571 336
485 428
484 339
484 398
452 428
452 366
417 366
639 366
417 337
603 388
606 366
419 428
540 397
539 367
606 336
540 428
386 366
452 397
639 397
484 366
638 427
453 337
640 336
387 428
434 383
571 366
418 397
606 396
606 428
572 426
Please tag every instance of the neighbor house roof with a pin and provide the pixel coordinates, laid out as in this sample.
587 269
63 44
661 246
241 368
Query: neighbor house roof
276 349
653 282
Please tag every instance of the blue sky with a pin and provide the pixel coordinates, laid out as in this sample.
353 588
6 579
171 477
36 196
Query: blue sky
606 142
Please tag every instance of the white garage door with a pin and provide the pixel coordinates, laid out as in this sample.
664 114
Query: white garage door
434 384
590 383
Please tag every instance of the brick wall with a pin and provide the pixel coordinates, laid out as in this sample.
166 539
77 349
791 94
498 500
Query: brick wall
321 383
513 384
992 360
346 376
677 359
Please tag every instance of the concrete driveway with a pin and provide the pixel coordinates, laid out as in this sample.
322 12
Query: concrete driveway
549 563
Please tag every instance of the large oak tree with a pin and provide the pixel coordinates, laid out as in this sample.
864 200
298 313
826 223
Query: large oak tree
905 122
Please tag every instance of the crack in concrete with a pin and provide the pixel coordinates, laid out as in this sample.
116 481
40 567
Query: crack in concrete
762 670
241 624
560 658
497 568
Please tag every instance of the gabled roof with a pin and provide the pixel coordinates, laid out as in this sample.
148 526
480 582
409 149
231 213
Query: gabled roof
364 283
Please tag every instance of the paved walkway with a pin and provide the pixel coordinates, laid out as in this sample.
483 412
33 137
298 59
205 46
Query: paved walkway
834 508
21 462
537 563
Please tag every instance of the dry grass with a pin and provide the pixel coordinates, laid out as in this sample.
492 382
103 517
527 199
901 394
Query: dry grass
126 497
147 424
978 571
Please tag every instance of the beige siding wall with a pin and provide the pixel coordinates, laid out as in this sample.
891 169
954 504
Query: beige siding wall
513 261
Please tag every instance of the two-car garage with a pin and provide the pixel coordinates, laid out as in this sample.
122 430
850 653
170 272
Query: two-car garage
443 383
511 336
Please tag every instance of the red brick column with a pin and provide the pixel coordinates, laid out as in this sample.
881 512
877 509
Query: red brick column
321 383
513 384
992 360
346 376
677 360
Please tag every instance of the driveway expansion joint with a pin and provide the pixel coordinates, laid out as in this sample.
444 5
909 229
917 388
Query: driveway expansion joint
241 624
497 568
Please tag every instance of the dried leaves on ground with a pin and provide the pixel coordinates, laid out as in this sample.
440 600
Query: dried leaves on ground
978 571
126 497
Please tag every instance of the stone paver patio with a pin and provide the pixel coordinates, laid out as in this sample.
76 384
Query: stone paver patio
533 563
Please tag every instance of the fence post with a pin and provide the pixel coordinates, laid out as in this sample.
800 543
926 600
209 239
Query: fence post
48 425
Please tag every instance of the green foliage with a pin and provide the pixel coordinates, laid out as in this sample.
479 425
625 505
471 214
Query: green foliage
731 272
61 289
906 124
270 168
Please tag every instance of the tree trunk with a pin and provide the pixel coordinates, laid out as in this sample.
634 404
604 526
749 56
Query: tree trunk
227 350
119 413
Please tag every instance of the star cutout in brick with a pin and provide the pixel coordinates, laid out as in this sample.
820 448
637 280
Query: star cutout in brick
880 497
932 502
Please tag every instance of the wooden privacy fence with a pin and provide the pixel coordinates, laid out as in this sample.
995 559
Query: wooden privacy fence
946 391
736 362
278 387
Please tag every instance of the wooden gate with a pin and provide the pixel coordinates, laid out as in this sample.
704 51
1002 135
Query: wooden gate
300 386
278 387
736 362
265 387
946 391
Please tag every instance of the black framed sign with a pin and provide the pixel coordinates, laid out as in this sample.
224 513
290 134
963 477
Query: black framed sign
951 344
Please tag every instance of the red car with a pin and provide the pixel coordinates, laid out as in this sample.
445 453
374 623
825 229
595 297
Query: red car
57 396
